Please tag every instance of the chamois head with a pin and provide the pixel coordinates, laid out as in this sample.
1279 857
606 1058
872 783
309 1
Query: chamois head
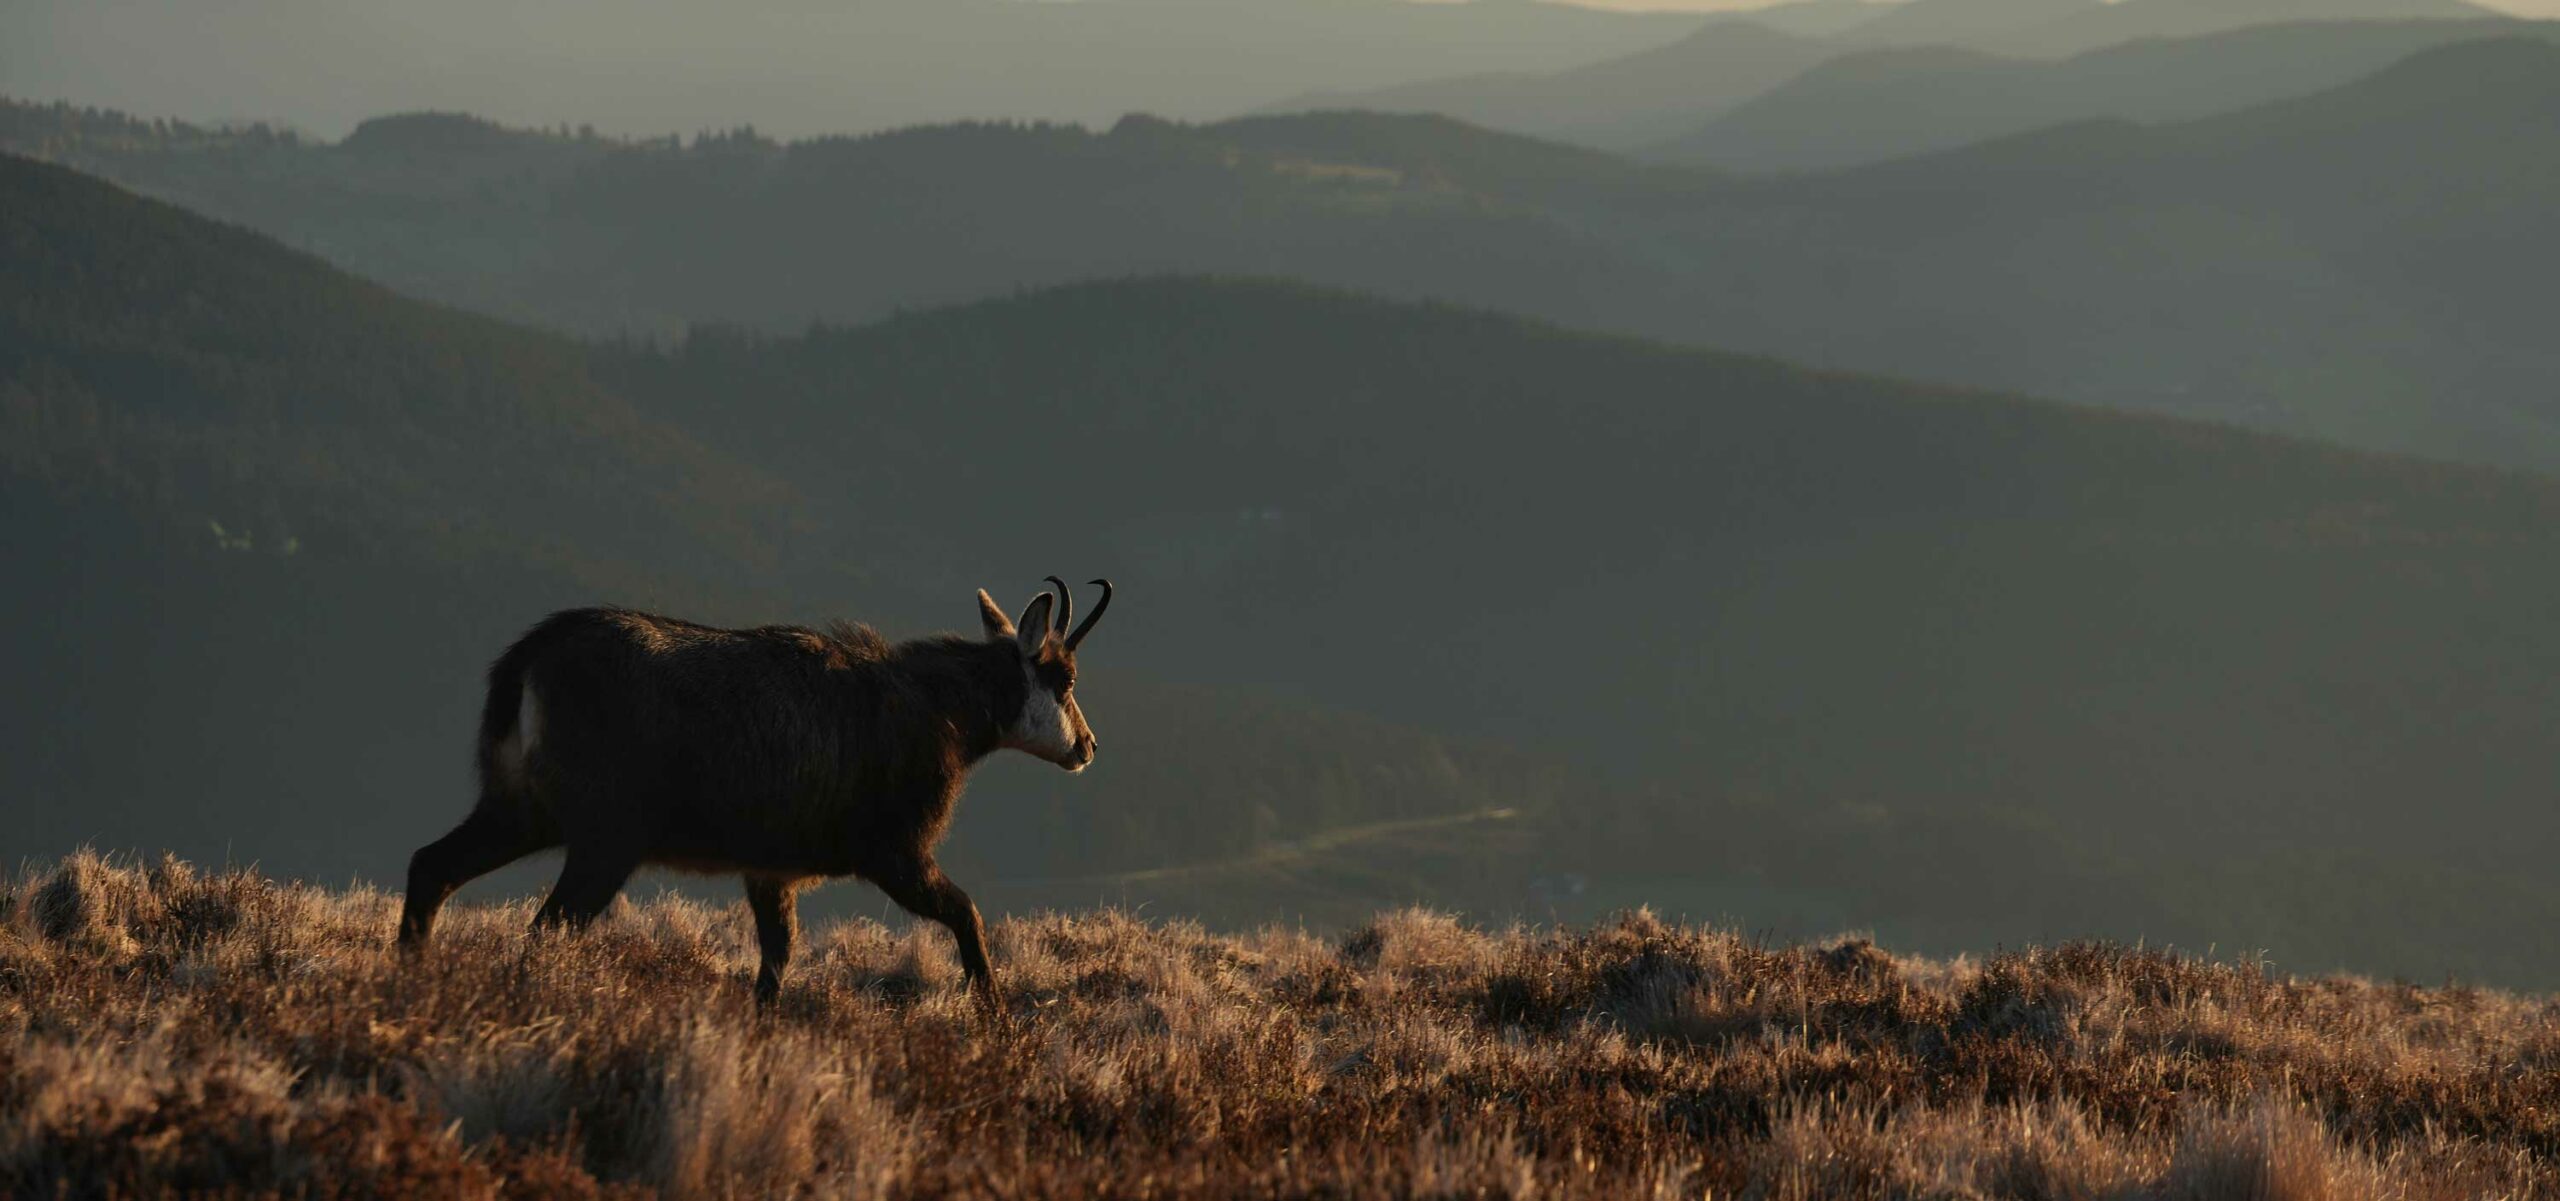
1050 724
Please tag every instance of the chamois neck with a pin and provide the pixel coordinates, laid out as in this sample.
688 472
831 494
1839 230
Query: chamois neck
972 688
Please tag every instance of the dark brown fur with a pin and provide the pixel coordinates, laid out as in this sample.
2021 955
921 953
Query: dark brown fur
780 753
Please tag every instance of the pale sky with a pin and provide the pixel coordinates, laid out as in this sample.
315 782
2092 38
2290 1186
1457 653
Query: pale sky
2522 8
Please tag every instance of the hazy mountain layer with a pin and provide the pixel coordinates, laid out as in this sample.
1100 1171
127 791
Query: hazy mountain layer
2094 26
1968 22
2060 27
1657 93
2285 266
784 65
1971 670
1813 18
1887 104
1621 103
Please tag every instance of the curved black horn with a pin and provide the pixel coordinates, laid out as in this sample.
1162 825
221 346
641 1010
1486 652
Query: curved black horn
1090 618
1066 602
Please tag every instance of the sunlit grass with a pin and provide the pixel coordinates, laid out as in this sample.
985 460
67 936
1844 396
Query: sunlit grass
164 1029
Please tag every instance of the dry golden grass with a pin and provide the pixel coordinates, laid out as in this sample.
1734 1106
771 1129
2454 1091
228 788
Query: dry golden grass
164 1030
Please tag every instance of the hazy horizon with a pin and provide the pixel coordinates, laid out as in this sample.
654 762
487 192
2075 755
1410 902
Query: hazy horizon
787 70
2521 8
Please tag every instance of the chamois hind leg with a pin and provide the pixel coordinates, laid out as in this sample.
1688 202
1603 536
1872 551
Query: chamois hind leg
484 842
921 889
588 882
777 911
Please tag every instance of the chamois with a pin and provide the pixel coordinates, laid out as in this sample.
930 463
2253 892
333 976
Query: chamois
780 753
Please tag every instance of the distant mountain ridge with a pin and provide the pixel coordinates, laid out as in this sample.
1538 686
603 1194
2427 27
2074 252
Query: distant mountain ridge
1886 104
1621 103
2063 27
2438 109
789 66
1655 95
1811 18
2168 270
1969 22
2127 20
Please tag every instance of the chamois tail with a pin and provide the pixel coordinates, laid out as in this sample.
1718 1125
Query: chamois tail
511 716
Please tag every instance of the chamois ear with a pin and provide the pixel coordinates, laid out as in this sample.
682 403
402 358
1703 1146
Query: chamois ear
992 617
1034 623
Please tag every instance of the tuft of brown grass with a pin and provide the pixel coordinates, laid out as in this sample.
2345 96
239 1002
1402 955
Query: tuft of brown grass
165 1030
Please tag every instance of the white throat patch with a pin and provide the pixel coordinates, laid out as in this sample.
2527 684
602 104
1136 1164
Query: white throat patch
1043 728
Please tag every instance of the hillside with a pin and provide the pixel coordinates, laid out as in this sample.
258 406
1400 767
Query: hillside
2432 261
1887 104
2382 308
161 347
1837 596
273 521
168 1030
1738 638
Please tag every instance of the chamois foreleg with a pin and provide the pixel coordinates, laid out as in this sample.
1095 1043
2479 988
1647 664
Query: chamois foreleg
921 889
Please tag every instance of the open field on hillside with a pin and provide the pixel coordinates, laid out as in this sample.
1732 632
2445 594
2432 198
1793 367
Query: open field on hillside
166 1029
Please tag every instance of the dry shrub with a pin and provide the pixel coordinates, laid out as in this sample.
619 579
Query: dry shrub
151 1116
686 1105
2269 1151
1412 943
730 1117
1825 1152
1475 1163
1703 1009
2024 997
2026 1152
1853 1150
511 1084
92 905
2032 1153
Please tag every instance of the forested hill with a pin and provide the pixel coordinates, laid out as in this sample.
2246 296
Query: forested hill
202 374
1807 645
2168 270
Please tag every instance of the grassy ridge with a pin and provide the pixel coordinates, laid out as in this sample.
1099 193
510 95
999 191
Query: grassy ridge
163 1029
